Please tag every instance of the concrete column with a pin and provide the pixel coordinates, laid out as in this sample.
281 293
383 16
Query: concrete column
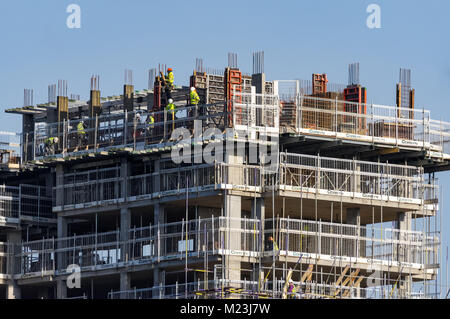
125 283
259 212
354 218
403 223
62 263
159 214
156 179
125 168
14 238
404 287
125 224
62 232
159 279
259 82
233 237
13 290
59 194
61 289
159 218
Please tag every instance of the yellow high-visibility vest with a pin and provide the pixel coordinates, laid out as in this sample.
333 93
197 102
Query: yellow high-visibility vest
170 107
170 78
80 128
194 98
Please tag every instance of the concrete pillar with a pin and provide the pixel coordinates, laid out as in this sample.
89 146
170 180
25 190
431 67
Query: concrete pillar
159 280
354 218
233 238
159 218
125 224
404 287
259 212
62 232
59 194
156 179
61 289
28 137
62 263
14 238
159 214
125 168
125 283
259 82
403 223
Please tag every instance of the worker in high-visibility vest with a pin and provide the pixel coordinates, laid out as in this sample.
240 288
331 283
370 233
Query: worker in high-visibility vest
50 144
81 133
170 78
170 108
150 125
272 244
194 96
292 291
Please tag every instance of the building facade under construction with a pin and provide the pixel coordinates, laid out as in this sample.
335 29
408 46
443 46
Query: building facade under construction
321 194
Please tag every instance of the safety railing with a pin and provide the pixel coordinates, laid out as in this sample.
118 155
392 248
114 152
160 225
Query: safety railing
256 111
98 186
24 202
136 130
364 122
269 114
349 178
10 150
351 288
297 172
375 244
91 186
191 290
152 243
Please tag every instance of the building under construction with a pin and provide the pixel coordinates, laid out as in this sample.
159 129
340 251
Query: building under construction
347 206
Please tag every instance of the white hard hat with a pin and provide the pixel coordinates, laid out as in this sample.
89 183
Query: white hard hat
192 88
56 140
170 101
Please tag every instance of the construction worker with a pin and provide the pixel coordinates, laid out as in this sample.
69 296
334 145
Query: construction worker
194 97
291 290
150 121
50 144
137 125
272 244
170 78
81 133
170 108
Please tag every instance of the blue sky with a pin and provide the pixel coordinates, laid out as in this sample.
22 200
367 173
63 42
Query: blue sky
298 37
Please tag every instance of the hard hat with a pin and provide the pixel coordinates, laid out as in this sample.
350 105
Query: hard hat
192 88
169 70
170 101
56 140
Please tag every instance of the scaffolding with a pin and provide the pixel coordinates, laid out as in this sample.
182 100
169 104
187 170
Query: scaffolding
308 227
